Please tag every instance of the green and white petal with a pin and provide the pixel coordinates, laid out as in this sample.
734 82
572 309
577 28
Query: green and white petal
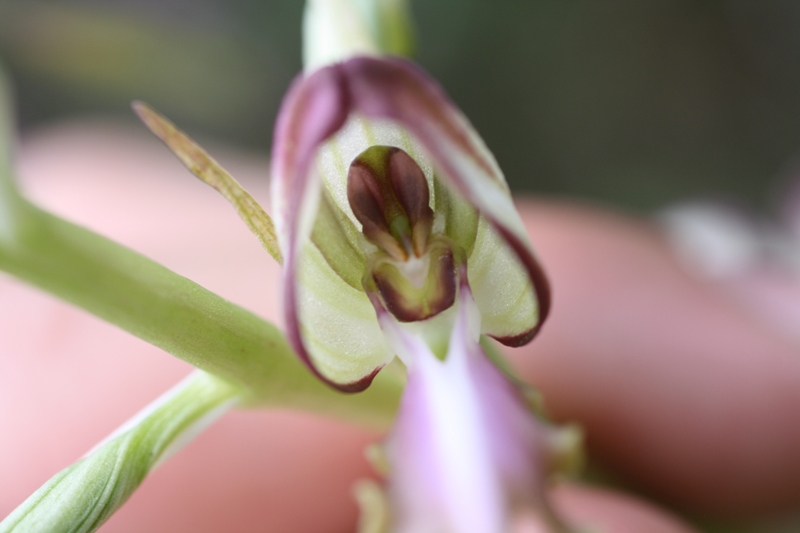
337 321
501 286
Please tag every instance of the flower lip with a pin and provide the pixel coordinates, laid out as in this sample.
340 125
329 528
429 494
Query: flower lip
465 453
318 105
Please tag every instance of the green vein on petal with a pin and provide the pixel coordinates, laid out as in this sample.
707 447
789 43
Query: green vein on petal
337 239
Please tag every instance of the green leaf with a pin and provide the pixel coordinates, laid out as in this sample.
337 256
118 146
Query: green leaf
208 170
84 495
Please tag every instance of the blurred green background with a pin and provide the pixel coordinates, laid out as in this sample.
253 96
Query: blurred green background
636 104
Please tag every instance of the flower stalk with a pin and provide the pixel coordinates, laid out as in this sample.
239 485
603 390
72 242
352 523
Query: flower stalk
180 317
336 30
163 308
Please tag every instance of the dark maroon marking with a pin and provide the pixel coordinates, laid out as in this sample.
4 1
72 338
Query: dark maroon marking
389 195
411 188
423 303
373 205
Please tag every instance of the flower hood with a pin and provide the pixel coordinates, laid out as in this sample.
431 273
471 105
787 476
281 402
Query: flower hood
328 119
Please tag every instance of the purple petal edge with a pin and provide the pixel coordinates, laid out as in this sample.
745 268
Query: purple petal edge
540 283
314 109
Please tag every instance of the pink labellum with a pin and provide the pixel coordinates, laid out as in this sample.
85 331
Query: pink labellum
465 453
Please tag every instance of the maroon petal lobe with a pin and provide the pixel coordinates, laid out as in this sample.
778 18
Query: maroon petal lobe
396 89
315 108
369 200
408 182
410 303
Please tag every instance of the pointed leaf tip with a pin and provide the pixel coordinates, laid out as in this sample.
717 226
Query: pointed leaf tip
202 165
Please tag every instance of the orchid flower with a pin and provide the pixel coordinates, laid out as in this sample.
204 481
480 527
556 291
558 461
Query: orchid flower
381 188
400 237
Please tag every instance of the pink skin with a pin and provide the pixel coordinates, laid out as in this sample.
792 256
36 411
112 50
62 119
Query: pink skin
687 394
680 390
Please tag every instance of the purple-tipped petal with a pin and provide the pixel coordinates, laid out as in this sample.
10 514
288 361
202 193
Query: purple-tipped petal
314 109
398 90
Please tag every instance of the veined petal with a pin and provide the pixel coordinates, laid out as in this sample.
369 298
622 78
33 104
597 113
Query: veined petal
329 319
396 89
315 108
441 477
337 323
502 289
324 302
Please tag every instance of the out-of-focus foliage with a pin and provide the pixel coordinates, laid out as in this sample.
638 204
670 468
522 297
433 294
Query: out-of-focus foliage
634 103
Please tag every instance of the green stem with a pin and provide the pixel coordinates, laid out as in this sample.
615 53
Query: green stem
177 315
335 30
84 495
163 308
